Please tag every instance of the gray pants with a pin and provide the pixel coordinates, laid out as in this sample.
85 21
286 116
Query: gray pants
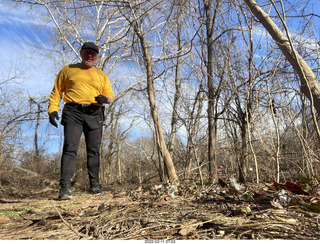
77 120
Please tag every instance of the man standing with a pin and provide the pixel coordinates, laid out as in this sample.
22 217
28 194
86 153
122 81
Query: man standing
85 89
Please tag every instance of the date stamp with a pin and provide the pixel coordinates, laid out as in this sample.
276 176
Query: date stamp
159 241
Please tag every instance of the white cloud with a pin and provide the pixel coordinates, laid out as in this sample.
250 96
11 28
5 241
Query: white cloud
18 28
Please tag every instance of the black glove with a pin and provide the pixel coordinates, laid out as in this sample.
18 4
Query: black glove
101 99
53 117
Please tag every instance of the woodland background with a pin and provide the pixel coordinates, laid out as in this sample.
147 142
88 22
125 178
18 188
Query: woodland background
197 84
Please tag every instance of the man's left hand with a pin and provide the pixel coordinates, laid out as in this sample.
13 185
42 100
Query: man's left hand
102 99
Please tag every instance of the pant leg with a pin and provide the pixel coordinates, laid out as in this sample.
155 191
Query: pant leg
73 128
93 135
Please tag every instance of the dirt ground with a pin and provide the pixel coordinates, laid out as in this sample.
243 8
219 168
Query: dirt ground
163 212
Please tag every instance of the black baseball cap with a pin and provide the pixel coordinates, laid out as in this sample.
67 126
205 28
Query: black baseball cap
90 45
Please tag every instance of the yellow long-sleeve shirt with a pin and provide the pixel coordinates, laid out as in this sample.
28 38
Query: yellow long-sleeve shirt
79 86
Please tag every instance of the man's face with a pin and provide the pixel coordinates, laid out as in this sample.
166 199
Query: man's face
89 57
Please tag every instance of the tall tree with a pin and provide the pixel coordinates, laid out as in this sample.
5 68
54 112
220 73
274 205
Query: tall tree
210 24
177 80
309 82
215 75
137 21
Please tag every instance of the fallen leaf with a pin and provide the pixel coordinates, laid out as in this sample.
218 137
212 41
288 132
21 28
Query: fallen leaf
296 188
101 207
259 196
313 207
162 202
296 201
304 180
290 186
247 196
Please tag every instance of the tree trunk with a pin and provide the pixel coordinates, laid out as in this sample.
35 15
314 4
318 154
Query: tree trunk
163 150
36 147
195 116
309 83
177 94
243 166
213 176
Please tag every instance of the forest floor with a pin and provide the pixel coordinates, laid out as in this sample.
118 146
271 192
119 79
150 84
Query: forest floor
226 211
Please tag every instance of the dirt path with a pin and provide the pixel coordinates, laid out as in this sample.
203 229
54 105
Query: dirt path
154 213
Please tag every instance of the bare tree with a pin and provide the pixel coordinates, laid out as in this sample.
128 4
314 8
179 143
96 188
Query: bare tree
137 21
190 60
177 32
41 110
216 67
309 82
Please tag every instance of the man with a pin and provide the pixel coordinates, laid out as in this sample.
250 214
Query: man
85 90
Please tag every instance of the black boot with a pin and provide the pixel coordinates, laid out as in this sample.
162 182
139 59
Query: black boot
65 193
96 190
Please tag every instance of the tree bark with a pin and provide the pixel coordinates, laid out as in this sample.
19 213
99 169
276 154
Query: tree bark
212 124
163 150
177 94
309 83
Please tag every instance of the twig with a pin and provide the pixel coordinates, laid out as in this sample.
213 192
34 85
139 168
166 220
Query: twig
244 233
66 223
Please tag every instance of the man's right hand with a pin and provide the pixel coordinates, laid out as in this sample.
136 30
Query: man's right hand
53 117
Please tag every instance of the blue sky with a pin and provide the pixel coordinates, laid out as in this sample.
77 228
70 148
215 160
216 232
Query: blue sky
18 28
18 36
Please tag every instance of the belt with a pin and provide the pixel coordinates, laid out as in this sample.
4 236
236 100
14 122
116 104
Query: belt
84 107
77 105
